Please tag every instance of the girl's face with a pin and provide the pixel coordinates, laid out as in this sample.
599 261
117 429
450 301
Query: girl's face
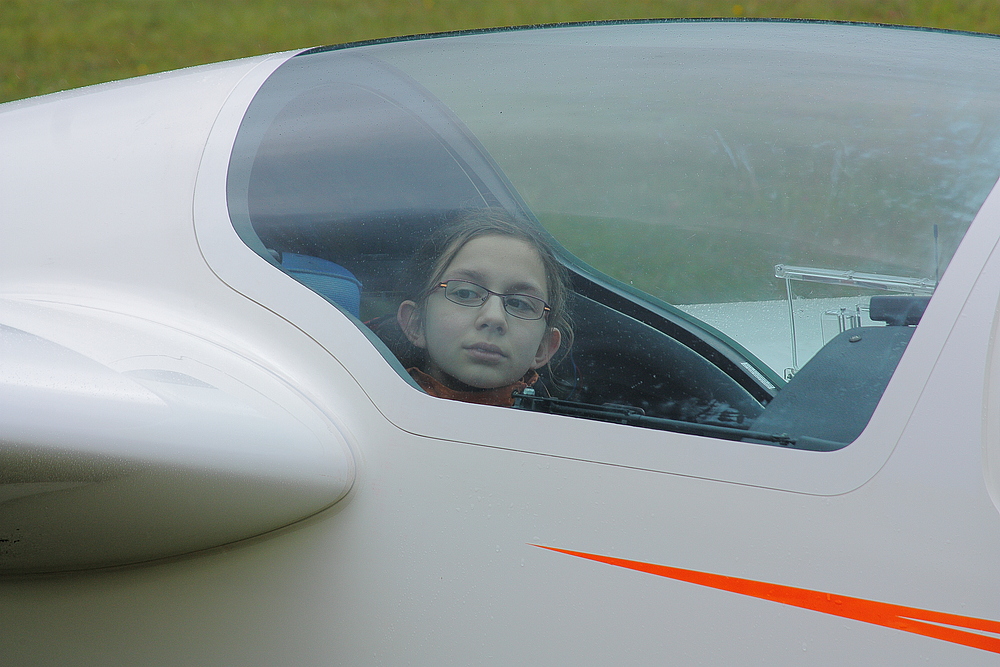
484 346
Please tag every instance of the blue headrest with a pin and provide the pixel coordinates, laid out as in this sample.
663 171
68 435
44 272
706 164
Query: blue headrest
330 280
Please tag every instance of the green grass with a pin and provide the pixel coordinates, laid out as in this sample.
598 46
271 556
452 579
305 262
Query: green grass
49 45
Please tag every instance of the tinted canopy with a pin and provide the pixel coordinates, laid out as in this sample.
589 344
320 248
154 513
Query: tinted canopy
728 195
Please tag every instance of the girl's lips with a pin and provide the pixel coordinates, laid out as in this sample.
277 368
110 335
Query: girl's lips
485 352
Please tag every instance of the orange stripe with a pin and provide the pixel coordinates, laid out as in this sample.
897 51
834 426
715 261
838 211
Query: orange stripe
909 619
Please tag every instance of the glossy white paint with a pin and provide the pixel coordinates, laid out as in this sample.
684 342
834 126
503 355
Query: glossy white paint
123 262
171 445
134 427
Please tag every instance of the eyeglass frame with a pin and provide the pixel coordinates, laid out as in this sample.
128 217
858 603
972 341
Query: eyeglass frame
546 309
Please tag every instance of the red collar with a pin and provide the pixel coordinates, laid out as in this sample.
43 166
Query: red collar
499 396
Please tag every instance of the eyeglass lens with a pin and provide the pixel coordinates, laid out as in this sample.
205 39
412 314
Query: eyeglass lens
522 306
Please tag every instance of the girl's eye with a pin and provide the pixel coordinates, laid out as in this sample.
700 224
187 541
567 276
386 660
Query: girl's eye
522 305
466 294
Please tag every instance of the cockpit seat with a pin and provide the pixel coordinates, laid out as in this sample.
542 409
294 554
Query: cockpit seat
828 403
898 310
330 280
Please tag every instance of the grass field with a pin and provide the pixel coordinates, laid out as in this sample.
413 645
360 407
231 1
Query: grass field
49 45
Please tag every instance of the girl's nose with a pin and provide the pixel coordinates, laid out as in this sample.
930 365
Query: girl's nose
492 314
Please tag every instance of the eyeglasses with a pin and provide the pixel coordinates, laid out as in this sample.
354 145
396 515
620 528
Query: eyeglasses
521 306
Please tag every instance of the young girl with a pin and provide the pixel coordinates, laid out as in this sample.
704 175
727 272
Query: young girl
486 308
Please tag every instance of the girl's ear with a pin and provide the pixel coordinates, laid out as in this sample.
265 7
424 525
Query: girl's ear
408 316
548 347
